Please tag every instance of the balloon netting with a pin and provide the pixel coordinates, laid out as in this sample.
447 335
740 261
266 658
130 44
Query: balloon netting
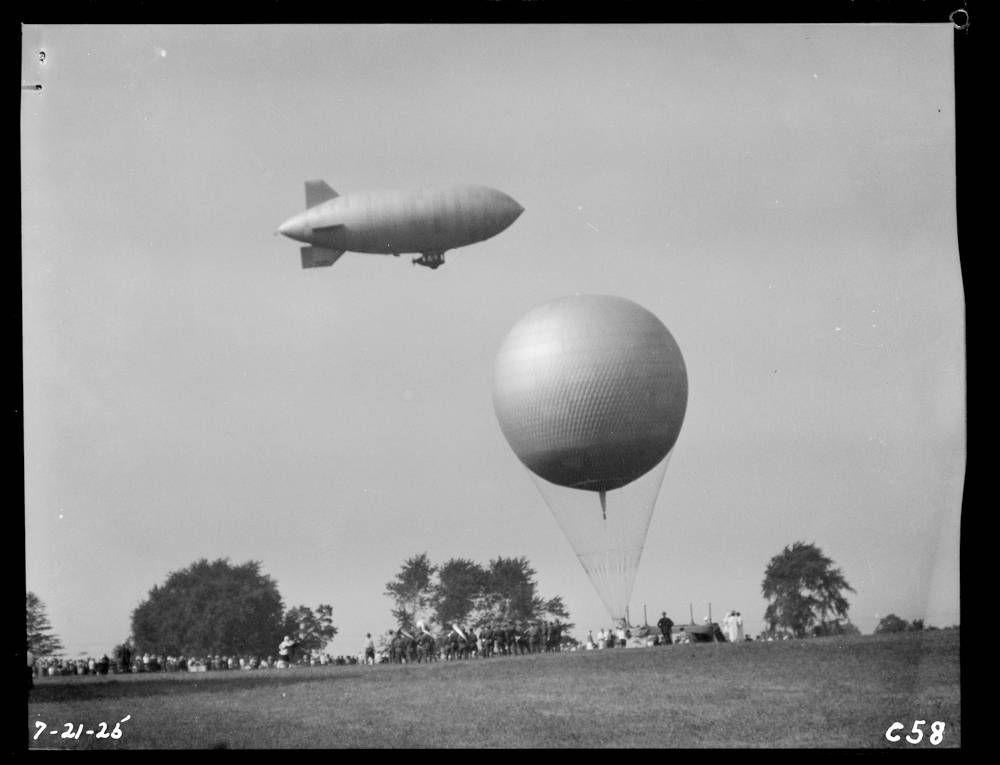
609 546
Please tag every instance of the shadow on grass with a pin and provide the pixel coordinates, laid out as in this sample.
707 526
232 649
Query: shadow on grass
140 686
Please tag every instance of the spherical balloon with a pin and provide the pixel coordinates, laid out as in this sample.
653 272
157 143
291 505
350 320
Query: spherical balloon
590 391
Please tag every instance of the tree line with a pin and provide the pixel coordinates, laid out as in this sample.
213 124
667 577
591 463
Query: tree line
461 591
217 608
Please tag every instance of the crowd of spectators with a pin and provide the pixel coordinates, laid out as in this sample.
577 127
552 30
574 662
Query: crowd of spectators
508 639
51 666
395 646
622 636
501 639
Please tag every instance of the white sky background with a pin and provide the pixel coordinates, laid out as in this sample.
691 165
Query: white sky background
782 197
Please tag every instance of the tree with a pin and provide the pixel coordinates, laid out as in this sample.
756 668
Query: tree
890 623
41 641
512 595
412 590
916 625
804 589
211 608
512 589
312 629
555 608
460 589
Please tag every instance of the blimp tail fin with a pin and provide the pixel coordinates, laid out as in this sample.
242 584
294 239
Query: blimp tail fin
317 192
319 257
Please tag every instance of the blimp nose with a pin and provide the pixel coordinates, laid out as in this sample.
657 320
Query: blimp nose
294 228
512 209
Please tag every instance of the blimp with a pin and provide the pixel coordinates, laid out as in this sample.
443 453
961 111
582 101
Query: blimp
426 222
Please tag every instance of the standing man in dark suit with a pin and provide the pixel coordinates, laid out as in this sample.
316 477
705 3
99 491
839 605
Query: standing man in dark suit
666 629
126 657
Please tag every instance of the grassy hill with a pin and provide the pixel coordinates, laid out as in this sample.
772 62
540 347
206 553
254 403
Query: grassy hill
829 692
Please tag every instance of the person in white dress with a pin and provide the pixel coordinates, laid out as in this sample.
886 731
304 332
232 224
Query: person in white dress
729 626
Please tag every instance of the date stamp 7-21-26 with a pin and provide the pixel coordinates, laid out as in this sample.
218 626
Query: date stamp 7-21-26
75 731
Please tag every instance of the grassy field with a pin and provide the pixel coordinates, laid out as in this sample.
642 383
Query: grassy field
830 692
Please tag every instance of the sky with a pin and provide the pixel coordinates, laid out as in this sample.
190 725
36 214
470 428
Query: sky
782 197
